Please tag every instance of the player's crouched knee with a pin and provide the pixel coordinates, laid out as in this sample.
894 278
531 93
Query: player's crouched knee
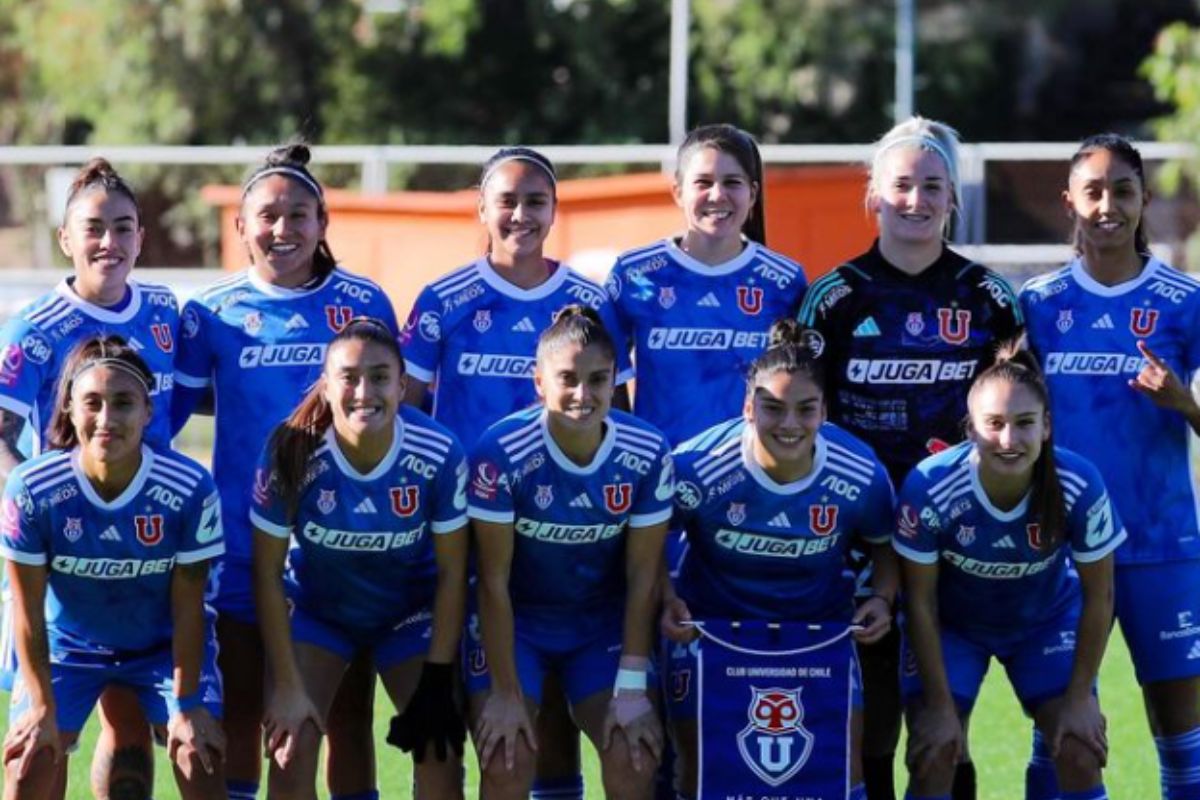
620 778
1077 763
40 768
501 782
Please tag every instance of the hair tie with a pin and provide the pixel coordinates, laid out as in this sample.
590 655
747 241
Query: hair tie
114 363
518 157
927 143
301 175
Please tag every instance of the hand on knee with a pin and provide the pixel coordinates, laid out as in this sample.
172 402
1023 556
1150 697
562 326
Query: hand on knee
1078 765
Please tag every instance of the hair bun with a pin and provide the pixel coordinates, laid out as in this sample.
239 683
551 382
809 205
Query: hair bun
577 310
293 154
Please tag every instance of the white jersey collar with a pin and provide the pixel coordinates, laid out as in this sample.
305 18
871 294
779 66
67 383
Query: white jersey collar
502 285
64 290
346 468
1090 284
560 458
766 481
130 492
712 270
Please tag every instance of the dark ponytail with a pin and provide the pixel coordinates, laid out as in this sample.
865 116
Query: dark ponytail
295 440
576 324
790 349
1017 365
291 161
743 148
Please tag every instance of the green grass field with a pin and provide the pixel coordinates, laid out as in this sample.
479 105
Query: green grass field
999 744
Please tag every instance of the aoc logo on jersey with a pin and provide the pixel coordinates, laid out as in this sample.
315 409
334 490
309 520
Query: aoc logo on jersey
775 745
1142 321
149 528
822 519
404 500
618 497
954 325
338 317
750 300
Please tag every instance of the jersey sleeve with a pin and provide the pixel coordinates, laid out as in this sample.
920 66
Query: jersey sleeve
267 510
1008 318
608 315
421 337
204 537
27 361
450 493
622 327
22 538
193 361
1094 529
656 492
822 309
688 495
489 491
917 525
878 509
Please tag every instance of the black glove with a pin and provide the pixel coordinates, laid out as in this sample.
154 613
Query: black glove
431 715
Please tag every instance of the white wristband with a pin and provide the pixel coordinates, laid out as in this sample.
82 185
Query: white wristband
630 679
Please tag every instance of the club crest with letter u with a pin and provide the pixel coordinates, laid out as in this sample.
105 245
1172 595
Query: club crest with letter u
774 744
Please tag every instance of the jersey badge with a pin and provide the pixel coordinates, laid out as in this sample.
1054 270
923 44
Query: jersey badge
485 481
907 521
750 300
1142 321
775 744
822 519
666 296
736 514
965 535
544 496
618 497
149 528
162 336
954 325
404 500
915 324
191 323
326 501
483 320
252 323
338 317
1034 531
73 529
1065 320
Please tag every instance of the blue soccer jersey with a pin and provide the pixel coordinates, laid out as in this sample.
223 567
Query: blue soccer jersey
1085 335
758 549
260 347
694 329
35 343
994 580
901 350
473 335
568 565
109 562
361 545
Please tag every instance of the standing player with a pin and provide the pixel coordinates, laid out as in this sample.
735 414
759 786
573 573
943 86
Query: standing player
1118 335
375 507
257 340
695 309
752 485
102 235
472 336
569 502
108 541
1006 545
903 329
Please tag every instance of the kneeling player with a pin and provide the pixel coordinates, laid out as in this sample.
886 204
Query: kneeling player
985 531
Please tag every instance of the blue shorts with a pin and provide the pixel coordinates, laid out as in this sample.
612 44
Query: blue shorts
389 646
1038 666
79 680
231 590
1158 606
680 680
584 667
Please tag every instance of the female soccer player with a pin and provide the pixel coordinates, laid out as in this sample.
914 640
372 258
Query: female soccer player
256 340
1006 544
775 463
102 235
695 309
473 335
374 505
569 502
108 542
1118 334
903 329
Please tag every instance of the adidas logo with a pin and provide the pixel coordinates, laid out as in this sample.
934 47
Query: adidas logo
110 534
780 520
867 327
365 507
709 301
1105 323
581 501
1005 543
524 326
296 323
1194 653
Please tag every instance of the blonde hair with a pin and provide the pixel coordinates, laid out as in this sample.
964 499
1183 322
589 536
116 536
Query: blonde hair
921 134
